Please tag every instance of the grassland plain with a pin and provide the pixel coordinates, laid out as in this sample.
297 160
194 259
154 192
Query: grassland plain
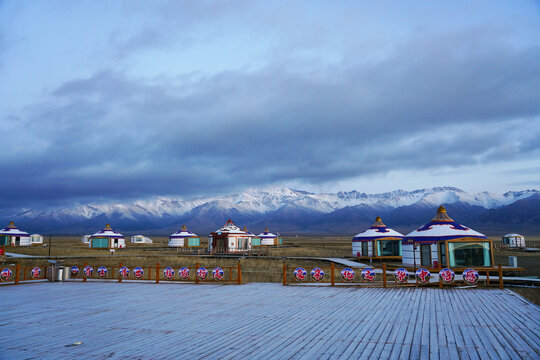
266 268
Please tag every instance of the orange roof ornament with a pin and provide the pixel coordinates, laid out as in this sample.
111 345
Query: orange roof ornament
11 225
108 227
441 215
378 222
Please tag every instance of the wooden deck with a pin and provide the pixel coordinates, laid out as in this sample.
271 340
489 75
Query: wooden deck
263 321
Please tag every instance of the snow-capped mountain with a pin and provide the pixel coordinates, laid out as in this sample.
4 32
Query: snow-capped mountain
287 209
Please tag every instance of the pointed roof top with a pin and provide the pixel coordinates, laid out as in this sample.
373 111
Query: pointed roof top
107 232
441 228
377 231
230 228
11 225
183 233
11 229
267 234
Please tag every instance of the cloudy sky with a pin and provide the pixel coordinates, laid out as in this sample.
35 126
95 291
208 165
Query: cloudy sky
112 100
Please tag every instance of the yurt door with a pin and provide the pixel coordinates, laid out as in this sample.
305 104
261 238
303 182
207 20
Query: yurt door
17 241
425 255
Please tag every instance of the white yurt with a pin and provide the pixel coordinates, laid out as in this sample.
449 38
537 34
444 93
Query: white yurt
378 241
184 238
86 239
107 239
12 236
444 242
229 238
267 238
514 240
36 239
141 239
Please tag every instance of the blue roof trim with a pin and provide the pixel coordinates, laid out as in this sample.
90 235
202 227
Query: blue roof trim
362 238
381 229
434 239
454 225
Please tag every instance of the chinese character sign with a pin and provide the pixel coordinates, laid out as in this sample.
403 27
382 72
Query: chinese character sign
138 272
202 273
35 273
317 274
74 271
447 276
184 273
168 273
300 274
368 274
218 273
5 274
88 271
348 274
470 276
102 272
401 275
124 272
423 275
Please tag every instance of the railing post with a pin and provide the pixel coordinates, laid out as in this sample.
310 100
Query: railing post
24 273
384 274
196 277
487 278
157 273
239 273
501 285
83 274
119 275
284 274
17 274
332 275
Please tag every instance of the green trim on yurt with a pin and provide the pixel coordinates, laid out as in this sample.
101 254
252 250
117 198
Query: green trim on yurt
193 242
100 242
255 241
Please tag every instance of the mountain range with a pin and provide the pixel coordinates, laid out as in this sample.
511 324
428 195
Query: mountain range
291 212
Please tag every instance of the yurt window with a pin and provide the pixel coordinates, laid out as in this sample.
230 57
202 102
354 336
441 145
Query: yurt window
442 253
389 248
100 242
469 254
3 240
425 255
365 248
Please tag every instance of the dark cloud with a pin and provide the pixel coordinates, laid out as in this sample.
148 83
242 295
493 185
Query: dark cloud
435 101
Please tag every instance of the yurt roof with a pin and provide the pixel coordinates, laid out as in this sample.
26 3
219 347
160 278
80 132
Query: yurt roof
182 233
377 231
267 234
513 235
11 229
230 228
441 228
249 233
107 232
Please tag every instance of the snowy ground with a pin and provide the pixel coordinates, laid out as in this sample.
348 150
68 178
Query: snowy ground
262 321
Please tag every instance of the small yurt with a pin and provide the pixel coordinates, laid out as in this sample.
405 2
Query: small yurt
267 238
36 239
514 240
184 238
255 241
377 242
86 239
12 236
107 239
444 242
141 239
229 238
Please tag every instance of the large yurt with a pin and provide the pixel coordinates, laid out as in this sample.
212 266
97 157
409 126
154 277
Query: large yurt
184 238
443 242
140 239
514 240
267 238
86 239
36 239
107 239
12 236
377 242
229 238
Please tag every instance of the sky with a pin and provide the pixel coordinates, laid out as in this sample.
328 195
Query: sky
119 100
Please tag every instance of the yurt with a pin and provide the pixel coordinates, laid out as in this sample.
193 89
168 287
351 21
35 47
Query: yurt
12 236
267 238
184 238
140 239
107 239
514 240
444 242
36 239
255 241
377 242
229 238
86 239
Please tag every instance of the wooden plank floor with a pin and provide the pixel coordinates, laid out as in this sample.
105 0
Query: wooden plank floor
263 321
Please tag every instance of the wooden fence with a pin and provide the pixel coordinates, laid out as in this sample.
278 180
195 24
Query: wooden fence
371 277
